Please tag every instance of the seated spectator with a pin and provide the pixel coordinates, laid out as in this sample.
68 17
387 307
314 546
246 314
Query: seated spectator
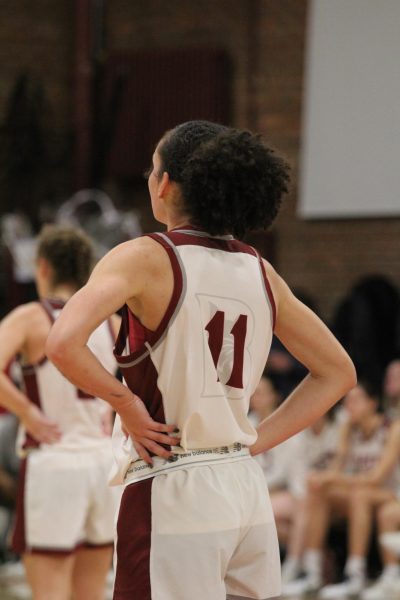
362 478
283 369
9 467
276 462
387 585
315 451
367 323
391 389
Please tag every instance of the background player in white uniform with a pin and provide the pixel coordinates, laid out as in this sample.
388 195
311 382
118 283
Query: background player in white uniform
200 308
314 451
387 586
65 510
363 477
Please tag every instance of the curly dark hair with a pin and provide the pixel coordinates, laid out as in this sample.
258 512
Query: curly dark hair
231 181
69 252
372 390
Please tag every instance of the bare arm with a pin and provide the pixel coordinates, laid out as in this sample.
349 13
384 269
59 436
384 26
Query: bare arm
108 418
331 372
14 330
119 277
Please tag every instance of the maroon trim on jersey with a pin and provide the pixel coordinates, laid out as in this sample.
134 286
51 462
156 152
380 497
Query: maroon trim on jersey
186 238
191 229
32 392
18 541
180 238
132 579
138 335
133 330
141 379
39 363
50 304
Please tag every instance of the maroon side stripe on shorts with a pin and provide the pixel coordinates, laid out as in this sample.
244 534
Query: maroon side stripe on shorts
132 580
18 539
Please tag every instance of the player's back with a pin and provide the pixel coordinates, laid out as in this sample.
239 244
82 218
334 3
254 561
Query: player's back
200 367
79 415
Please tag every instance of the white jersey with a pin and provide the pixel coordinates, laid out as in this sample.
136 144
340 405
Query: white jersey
365 452
199 369
79 416
314 452
277 462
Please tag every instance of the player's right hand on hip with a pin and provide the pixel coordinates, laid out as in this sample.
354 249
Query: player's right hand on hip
149 437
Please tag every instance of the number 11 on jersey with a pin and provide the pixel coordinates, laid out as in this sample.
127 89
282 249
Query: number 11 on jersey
215 329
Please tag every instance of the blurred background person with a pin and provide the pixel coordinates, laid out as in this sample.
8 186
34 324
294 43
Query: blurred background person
283 369
387 586
314 452
84 100
363 476
391 389
286 468
276 463
65 510
367 322
9 468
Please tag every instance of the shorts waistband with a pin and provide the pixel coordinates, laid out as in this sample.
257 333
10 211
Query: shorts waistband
139 469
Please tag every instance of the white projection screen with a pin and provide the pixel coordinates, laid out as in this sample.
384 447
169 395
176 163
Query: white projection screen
350 159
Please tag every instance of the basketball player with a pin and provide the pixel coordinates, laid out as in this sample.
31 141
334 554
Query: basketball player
363 477
200 309
65 510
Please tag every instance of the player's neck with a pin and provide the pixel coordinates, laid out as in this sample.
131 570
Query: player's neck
177 220
181 224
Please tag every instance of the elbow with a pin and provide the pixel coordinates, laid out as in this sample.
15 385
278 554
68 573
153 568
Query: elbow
348 375
56 349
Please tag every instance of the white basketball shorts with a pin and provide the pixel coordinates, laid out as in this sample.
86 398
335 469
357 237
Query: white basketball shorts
64 501
196 533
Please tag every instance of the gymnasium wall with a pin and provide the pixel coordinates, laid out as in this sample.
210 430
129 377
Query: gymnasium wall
265 40
37 37
325 257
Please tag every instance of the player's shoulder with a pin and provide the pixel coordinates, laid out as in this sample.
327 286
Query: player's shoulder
26 312
137 256
142 247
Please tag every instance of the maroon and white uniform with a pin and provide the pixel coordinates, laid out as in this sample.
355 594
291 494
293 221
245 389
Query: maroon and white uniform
64 500
200 524
365 452
313 452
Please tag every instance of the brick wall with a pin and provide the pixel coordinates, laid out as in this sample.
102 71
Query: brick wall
265 39
323 257
36 40
37 37
158 24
